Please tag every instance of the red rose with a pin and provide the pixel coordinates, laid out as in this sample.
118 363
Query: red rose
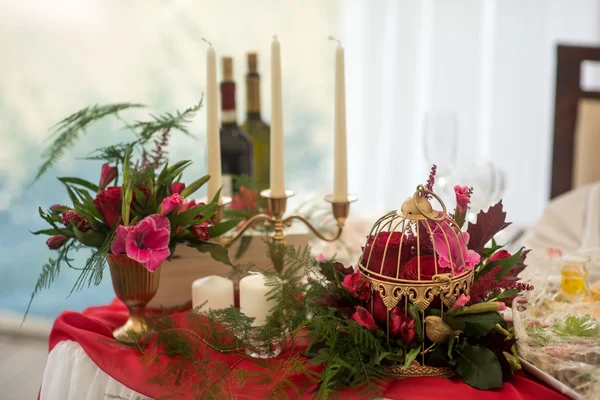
108 202
500 255
56 242
372 257
410 270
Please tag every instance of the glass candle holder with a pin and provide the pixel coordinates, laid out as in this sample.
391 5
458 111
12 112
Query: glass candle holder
257 346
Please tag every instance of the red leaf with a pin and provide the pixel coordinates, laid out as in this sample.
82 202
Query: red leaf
488 224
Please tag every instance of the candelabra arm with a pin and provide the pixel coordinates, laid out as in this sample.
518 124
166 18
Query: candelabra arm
249 223
288 222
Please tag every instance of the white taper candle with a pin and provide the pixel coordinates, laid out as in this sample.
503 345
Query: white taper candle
213 139
340 177
277 181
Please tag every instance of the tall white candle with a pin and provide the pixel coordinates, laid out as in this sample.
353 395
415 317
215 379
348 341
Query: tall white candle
340 177
253 298
277 165
216 291
213 140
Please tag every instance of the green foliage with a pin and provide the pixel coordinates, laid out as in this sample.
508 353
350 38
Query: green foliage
50 271
506 265
67 131
94 267
478 367
158 123
475 324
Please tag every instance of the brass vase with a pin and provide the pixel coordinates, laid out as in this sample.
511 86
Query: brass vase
135 286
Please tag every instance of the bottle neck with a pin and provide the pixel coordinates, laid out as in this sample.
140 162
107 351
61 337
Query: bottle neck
253 95
228 114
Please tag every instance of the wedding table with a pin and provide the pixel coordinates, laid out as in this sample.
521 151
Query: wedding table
86 364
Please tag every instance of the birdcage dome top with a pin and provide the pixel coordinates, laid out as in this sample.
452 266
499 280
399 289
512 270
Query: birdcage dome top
416 243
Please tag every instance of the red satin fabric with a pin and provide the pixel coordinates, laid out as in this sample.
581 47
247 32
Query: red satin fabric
93 328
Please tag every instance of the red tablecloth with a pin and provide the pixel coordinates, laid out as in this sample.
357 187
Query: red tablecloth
94 326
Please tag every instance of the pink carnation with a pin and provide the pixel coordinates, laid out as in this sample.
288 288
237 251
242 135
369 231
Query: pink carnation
170 203
462 197
147 242
461 301
451 250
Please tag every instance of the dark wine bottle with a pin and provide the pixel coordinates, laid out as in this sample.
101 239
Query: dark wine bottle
236 145
258 130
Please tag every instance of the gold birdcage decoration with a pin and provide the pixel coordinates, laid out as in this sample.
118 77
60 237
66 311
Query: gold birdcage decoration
416 255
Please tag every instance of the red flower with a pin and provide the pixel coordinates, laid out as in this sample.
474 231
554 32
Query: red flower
170 203
71 217
357 286
410 271
403 326
462 197
372 257
56 242
108 202
107 175
201 231
364 319
500 255
380 311
245 200
176 187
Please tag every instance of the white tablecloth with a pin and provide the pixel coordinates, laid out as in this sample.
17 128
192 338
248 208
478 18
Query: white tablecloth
71 375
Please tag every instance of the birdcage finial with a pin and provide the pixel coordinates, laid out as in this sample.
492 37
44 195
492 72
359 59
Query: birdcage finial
418 207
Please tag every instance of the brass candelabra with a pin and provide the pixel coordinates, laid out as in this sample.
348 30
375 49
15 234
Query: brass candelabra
277 223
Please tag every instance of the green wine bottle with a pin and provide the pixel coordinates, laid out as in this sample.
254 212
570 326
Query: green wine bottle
259 131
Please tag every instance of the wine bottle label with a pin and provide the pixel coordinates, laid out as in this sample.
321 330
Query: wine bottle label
228 116
227 182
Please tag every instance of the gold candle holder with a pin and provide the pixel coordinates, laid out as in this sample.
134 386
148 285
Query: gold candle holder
277 223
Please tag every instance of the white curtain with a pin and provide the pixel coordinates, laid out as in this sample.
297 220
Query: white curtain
491 62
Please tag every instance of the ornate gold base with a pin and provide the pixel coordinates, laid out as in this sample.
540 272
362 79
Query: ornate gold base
415 370
135 286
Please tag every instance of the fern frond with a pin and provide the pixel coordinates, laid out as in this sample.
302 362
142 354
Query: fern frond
50 271
166 121
93 270
67 131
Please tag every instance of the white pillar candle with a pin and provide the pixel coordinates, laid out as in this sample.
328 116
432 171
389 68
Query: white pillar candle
216 291
340 177
253 298
213 139
277 181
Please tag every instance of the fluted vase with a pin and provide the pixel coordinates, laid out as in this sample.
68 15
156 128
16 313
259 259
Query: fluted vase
135 286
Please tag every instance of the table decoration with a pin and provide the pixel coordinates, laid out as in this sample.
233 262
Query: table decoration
361 327
212 292
136 225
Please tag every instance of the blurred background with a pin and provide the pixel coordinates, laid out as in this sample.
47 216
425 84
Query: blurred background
467 84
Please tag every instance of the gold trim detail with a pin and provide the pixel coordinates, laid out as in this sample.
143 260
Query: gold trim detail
415 370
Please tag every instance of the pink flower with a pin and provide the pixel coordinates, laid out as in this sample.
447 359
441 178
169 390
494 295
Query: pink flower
71 217
462 197
186 205
356 285
321 257
147 242
170 203
403 326
176 187
107 175
451 250
501 306
364 319
461 301
56 242
500 255
201 231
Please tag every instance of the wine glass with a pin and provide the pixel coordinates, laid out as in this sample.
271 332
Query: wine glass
440 142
